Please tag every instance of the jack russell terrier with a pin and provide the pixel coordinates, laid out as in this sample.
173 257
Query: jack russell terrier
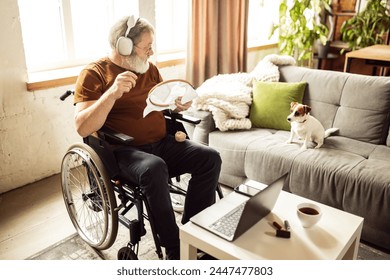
306 126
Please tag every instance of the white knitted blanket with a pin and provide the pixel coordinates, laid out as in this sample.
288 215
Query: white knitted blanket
229 96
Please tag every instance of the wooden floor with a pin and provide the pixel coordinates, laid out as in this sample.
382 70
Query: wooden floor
32 218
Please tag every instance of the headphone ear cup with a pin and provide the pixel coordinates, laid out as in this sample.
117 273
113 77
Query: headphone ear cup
124 45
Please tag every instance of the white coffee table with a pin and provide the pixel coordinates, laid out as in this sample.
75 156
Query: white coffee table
336 236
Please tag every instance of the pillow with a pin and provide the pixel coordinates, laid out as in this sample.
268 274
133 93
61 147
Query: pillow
271 103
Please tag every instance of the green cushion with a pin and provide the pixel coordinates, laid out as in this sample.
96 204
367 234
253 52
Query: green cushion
271 103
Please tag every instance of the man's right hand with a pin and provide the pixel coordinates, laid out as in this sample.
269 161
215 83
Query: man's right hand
123 83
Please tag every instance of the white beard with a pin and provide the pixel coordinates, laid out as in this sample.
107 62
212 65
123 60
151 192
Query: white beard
135 63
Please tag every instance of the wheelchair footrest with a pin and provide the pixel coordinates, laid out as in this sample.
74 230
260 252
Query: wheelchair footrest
136 229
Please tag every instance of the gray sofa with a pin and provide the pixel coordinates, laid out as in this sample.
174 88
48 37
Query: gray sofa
350 172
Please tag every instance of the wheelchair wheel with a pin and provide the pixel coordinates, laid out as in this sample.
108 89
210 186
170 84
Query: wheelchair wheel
126 253
89 196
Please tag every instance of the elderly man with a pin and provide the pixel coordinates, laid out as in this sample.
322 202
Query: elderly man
112 91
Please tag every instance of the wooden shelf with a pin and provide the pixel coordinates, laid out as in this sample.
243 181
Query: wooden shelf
349 13
339 45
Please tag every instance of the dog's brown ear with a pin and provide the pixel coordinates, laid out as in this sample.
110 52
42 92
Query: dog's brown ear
307 109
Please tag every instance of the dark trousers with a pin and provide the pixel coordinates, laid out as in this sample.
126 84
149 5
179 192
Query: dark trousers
151 166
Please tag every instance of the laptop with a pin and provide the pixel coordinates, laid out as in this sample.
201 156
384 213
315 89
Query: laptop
236 213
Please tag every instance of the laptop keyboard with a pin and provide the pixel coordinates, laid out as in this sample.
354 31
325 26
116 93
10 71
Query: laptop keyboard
227 224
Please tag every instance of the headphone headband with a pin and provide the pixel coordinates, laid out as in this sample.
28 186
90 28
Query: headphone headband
130 24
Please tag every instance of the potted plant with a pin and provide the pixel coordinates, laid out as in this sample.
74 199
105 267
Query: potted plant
300 26
367 27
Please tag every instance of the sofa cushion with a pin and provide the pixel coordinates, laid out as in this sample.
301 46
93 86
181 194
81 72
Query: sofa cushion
232 146
321 174
367 191
349 145
271 103
364 113
269 157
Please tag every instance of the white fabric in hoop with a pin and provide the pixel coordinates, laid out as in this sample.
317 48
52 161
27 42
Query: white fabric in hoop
163 95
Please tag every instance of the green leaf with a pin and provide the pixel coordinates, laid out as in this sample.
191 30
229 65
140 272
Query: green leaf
358 40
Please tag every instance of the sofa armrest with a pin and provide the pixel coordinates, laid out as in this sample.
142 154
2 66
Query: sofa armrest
200 132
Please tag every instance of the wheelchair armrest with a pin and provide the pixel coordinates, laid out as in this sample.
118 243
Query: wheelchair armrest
117 137
181 117
123 139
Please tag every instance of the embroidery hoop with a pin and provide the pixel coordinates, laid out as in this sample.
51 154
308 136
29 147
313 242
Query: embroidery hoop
174 82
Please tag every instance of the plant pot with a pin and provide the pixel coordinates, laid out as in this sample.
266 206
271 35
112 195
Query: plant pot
323 50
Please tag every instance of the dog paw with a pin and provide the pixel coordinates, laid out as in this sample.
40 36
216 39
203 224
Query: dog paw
304 148
318 146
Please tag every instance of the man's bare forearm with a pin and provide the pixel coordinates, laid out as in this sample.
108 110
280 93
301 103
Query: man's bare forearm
90 116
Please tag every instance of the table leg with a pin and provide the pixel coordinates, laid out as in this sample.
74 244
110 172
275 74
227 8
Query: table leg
352 251
347 64
374 71
187 251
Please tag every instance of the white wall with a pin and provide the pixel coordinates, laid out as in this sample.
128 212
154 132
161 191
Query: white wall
36 128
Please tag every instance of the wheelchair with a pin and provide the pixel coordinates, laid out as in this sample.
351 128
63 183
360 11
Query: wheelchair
97 198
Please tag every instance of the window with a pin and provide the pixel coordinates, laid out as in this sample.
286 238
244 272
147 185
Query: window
64 33
262 15
61 33
172 18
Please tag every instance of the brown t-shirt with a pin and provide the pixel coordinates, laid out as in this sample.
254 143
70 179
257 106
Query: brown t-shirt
126 115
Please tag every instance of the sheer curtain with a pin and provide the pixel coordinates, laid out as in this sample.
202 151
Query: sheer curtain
217 39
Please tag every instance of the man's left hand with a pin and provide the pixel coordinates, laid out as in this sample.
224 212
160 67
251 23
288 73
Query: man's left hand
181 107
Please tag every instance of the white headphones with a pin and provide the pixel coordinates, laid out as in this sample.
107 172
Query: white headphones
124 45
